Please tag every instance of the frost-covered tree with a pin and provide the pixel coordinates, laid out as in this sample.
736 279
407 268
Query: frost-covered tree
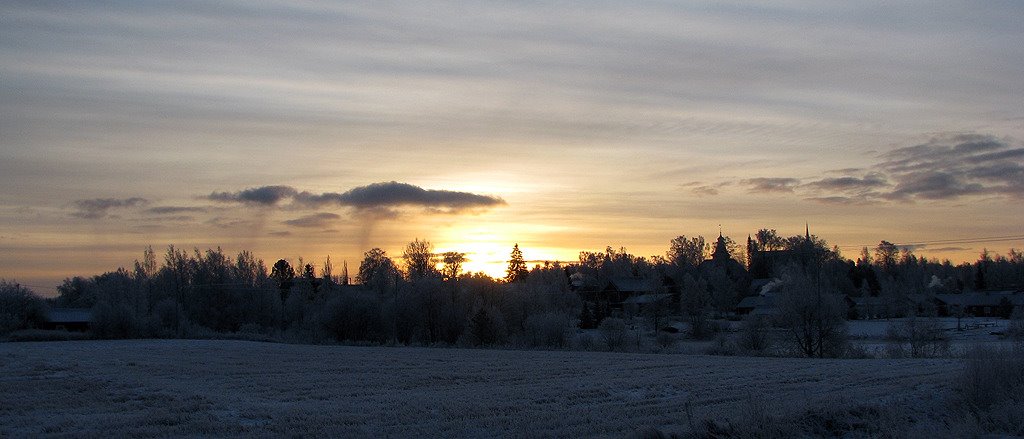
20 308
814 316
687 252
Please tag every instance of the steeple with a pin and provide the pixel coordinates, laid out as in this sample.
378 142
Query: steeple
807 231
721 252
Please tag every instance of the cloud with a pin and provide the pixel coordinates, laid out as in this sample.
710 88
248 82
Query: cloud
264 196
394 194
165 210
99 207
955 166
704 190
315 220
771 184
933 185
840 200
228 223
850 184
949 249
378 199
948 167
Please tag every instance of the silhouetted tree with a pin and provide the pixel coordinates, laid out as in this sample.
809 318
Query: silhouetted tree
344 273
283 273
685 252
378 271
885 255
452 265
517 270
419 259
768 240
327 272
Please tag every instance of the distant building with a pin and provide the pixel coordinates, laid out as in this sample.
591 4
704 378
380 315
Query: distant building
762 263
68 319
758 305
981 304
721 259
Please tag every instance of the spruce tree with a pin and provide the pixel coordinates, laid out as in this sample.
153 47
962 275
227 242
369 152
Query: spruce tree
516 266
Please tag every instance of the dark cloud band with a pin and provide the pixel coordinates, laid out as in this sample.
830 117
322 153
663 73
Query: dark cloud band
376 196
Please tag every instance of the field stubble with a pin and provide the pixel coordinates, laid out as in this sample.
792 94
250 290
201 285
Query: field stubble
236 388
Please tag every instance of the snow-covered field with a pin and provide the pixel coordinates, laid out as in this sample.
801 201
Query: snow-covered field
871 335
238 388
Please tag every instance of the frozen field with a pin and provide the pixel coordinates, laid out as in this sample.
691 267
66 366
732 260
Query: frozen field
237 388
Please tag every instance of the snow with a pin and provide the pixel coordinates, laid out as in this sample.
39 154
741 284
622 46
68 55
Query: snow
973 327
236 388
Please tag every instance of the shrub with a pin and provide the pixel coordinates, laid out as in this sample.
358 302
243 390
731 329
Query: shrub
19 308
46 335
583 341
722 345
115 321
613 333
547 329
991 387
925 337
485 328
754 335
1015 328
664 340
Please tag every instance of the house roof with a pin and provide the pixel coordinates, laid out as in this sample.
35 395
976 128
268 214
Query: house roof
981 299
629 284
867 301
69 315
754 302
645 299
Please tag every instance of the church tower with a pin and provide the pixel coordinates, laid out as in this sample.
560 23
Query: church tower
721 253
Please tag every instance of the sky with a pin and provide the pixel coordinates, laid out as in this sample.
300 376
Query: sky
307 129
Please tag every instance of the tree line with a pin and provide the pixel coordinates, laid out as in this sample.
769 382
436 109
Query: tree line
427 298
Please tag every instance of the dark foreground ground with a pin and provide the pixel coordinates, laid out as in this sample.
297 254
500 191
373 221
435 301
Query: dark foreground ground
146 388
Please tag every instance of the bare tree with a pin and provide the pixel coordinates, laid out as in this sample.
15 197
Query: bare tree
694 303
814 316
419 259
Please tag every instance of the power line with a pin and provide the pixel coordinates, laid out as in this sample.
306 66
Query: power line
978 240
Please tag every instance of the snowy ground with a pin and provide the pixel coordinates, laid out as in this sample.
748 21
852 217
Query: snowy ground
237 388
974 332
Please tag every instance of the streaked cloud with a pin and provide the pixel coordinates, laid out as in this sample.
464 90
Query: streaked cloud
320 219
169 210
99 207
772 184
956 166
946 168
850 184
